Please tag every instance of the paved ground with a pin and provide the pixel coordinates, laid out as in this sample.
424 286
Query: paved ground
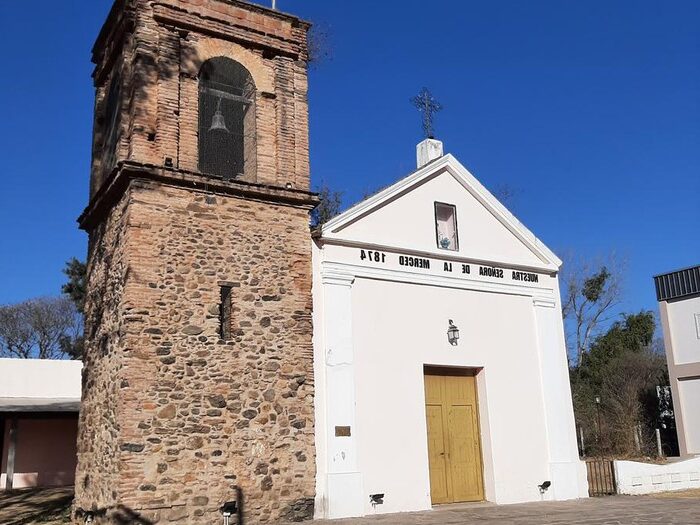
52 507
49 506
669 508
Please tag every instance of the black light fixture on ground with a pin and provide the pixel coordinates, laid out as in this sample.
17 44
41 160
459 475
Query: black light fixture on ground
228 509
376 499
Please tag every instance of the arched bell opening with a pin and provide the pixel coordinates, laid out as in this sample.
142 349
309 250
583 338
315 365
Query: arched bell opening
227 146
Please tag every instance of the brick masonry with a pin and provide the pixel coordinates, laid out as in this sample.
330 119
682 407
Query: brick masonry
159 48
175 420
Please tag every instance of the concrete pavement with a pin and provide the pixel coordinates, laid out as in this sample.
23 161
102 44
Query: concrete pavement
669 508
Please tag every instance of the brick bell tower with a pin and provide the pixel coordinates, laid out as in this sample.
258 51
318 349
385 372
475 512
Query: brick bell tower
198 381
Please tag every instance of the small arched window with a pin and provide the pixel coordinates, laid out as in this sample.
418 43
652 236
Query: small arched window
226 119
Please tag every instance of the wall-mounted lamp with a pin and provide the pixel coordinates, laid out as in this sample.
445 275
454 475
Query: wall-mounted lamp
545 485
453 334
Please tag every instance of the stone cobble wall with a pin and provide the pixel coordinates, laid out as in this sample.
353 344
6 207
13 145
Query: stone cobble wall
197 417
175 420
98 447
202 415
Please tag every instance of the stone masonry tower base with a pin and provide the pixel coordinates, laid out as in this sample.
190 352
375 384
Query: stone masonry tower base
198 381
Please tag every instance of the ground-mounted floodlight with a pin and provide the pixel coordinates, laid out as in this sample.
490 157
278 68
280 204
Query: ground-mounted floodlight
376 499
228 509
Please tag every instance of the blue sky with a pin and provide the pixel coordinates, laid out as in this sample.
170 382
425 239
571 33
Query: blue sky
589 109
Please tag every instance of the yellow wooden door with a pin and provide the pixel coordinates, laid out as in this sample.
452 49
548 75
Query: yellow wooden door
454 449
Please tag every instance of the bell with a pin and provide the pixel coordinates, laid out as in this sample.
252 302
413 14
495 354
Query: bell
218 122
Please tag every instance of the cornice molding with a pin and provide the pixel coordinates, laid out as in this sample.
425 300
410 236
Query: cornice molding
338 271
330 276
443 256
127 171
541 303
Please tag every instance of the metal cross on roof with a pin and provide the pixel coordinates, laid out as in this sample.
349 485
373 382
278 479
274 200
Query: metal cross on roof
426 104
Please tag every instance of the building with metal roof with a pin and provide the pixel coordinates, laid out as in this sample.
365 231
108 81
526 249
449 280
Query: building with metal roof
678 294
39 406
681 283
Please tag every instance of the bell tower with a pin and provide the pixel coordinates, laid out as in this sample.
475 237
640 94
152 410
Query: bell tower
198 380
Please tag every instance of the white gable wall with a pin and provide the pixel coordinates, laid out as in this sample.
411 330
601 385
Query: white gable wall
410 221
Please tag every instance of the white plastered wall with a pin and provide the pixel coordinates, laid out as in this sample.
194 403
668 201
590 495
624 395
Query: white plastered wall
40 378
689 404
396 328
684 328
680 319
637 478
497 336
409 221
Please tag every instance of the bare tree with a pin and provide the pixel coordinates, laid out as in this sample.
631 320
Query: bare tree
507 195
592 290
39 328
319 44
626 379
371 191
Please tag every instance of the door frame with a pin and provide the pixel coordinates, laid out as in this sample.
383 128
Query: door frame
459 371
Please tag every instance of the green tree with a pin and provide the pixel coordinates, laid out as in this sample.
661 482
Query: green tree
328 207
74 288
634 333
621 370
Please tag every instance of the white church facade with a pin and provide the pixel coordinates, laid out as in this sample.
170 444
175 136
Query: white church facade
440 362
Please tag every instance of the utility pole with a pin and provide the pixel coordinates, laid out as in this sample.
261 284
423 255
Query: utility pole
659 448
600 428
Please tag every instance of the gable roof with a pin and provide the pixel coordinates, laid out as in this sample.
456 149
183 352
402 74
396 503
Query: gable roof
447 163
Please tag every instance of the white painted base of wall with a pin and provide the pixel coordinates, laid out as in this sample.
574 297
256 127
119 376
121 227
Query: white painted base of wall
645 478
569 481
345 495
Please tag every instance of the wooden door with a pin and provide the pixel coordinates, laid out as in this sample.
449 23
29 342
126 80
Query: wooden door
454 449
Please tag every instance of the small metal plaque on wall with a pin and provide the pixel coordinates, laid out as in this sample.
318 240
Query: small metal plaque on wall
342 431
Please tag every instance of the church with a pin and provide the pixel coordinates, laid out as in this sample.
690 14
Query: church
239 366
440 362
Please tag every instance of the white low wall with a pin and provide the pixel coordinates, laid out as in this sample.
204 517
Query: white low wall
40 378
644 478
